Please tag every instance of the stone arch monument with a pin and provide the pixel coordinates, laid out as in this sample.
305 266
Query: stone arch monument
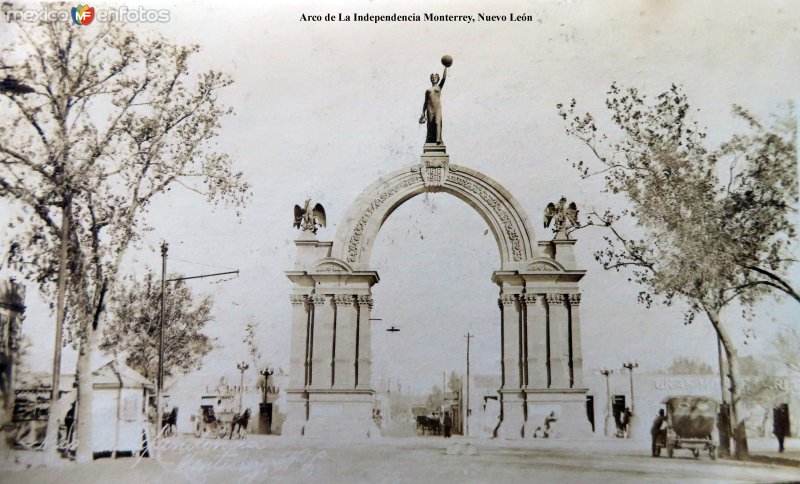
330 392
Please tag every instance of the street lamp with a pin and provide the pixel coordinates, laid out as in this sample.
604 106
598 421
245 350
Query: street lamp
11 86
468 410
630 366
607 422
266 373
242 368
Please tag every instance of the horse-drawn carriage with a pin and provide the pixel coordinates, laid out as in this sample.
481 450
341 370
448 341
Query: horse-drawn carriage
429 423
690 424
215 416
216 419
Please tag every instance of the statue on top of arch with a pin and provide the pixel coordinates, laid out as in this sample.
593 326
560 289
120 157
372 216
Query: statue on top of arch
562 216
432 106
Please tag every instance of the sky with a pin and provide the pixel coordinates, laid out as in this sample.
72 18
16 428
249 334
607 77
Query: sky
322 109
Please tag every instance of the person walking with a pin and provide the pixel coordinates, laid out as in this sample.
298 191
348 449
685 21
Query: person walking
448 424
548 422
780 424
625 420
656 431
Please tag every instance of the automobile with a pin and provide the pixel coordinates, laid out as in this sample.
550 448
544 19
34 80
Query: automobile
690 424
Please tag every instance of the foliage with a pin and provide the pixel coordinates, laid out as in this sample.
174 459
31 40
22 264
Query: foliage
454 383
786 348
112 120
684 365
134 328
713 225
250 342
435 399
718 224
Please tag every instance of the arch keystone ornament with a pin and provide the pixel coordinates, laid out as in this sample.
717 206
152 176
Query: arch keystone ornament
331 392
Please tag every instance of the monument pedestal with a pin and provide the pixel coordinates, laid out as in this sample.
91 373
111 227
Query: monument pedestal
331 414
512 404
569 405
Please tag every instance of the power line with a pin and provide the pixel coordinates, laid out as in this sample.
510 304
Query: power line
201 264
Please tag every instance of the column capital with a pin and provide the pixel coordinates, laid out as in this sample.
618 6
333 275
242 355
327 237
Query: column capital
574 299
298 299
344 299
555 298
365 300
506 299
319 299
531 299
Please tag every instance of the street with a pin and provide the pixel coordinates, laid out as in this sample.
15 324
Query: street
416 459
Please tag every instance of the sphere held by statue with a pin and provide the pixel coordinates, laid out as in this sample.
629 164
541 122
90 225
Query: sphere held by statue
447 61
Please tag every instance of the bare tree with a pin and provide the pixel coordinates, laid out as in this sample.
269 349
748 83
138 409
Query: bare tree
712 226
112 121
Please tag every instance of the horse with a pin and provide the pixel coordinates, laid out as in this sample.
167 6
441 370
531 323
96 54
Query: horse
241 420
427 423
169 423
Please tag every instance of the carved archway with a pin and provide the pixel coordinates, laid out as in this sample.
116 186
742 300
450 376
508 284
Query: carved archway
330 367
503 214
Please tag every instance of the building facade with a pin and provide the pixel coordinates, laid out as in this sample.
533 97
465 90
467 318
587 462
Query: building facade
12 309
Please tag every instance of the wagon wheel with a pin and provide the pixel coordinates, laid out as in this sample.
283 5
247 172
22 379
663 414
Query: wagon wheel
198 428
670 451
696 453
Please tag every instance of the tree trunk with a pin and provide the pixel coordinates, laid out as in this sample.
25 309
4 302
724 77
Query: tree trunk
737 416
85 451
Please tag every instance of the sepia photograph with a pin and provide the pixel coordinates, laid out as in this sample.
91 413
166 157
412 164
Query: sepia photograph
399 242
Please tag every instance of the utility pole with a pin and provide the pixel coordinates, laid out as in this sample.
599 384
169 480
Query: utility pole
160 382
467 413
444 392
607 422
164 280
630 366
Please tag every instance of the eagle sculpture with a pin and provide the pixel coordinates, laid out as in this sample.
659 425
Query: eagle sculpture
306 218
561 215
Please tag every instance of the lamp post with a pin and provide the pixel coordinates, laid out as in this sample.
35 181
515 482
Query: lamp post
242 368
607 421
266 373
630 366
467 411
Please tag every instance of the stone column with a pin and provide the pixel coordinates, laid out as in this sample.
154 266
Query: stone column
509 307
536 315
364 361
559 340
299 361
321 363
346 322
512 400
577 353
